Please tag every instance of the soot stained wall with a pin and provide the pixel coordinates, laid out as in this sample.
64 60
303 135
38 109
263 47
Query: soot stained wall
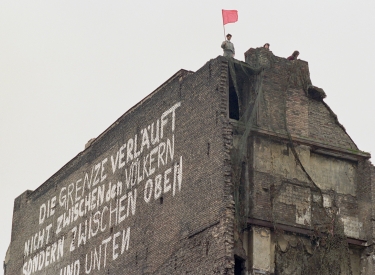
148 196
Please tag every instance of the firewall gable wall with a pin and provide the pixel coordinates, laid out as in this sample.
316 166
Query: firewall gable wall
148 196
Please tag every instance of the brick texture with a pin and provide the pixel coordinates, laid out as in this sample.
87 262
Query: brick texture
176 185
150 195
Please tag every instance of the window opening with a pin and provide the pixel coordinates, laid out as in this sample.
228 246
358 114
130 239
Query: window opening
238 265
233 104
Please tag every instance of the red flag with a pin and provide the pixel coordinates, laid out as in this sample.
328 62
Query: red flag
230 16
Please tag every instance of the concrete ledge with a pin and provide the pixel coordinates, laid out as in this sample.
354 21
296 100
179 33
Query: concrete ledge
316 147
296 229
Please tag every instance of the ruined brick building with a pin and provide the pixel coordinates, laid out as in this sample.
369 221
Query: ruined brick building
238 168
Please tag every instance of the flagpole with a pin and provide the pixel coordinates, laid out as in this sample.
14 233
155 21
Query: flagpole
229 16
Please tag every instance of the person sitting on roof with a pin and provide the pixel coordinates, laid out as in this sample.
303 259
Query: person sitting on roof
228 47
293 56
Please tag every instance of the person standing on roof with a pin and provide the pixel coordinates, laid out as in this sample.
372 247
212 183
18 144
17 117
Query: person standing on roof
294 55
228 47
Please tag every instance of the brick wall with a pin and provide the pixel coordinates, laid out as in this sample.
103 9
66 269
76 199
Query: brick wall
151 195
169 187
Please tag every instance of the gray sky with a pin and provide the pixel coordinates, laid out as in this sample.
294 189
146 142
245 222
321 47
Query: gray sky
69 69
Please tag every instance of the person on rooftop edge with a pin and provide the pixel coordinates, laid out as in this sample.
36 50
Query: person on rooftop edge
267 46
293 56
228 47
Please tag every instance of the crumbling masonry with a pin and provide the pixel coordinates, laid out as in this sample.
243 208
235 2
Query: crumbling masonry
238 168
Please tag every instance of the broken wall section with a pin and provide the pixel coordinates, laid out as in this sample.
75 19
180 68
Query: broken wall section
301 179
286 97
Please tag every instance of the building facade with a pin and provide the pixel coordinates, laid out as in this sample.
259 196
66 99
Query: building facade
238 168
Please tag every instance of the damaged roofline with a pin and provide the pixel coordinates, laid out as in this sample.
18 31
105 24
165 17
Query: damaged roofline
179 74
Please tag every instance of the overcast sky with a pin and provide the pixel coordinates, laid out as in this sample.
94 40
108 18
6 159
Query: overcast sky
69 69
